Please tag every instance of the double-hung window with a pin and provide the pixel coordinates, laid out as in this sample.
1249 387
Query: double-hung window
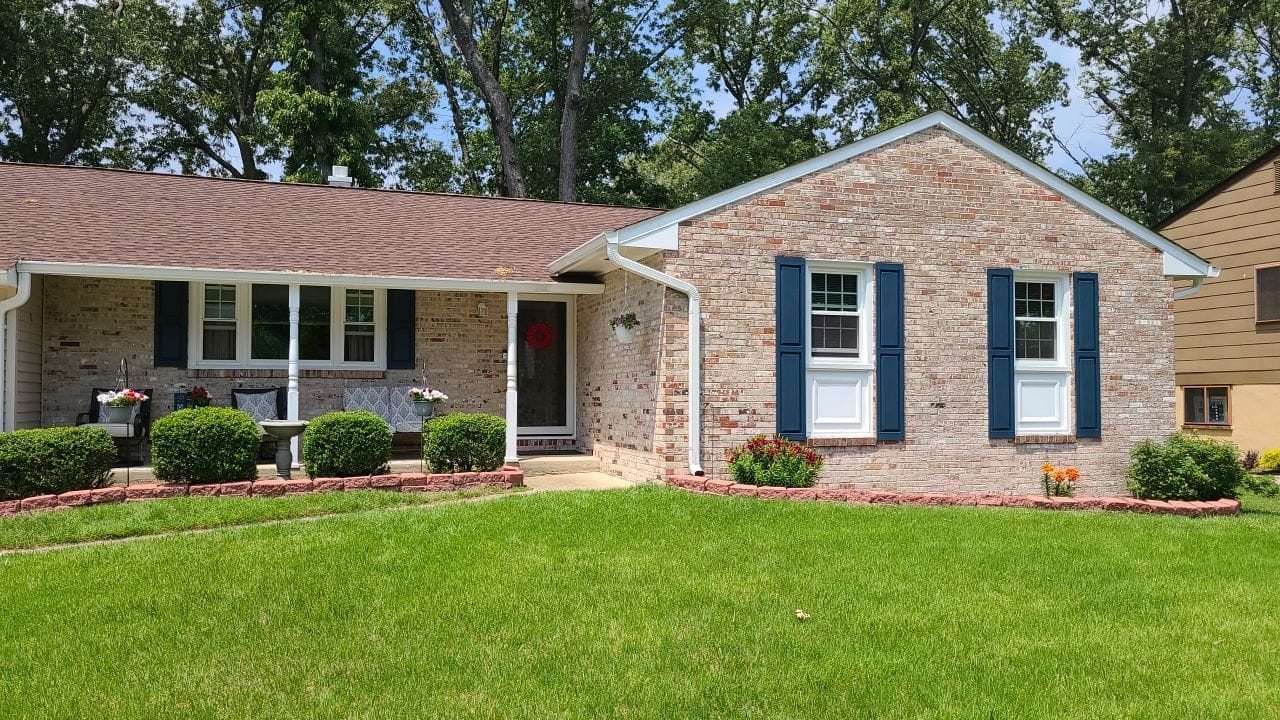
1042 366
247 325
839 367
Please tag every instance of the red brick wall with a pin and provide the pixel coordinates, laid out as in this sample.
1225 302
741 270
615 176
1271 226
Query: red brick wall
948 212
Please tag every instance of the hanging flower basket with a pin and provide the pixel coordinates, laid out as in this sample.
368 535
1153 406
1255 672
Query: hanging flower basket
624 326
425 400
119 404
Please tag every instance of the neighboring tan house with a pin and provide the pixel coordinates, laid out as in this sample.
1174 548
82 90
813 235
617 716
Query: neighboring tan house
930 309
1227 337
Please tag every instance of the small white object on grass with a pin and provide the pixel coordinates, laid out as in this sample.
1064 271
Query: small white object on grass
801 615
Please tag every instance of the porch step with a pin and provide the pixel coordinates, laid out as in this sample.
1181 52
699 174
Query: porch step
558 464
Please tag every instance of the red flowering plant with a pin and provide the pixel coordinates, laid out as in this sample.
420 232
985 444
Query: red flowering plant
774 461
197 397
1059 482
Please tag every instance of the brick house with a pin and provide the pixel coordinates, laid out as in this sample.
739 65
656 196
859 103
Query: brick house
932 310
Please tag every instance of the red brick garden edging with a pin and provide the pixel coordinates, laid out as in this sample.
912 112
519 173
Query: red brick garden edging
888 497
506 477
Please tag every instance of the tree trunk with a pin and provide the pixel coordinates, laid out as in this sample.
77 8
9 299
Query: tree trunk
495 99
573 101
317 81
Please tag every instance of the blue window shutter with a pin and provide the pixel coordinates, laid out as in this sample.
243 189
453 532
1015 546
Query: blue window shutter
1000 354
789 280
1088 369
401 333
170 322
891 390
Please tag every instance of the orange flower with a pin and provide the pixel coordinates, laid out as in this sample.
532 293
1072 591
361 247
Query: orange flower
1073 474
1059 476
1046 468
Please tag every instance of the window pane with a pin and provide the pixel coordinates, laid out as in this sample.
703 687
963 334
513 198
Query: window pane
1217 410
270 320
1034 300
1035 339
220 302
1193 405
834 335
219 341
1268 290
358 345
359 306
315 311
834 292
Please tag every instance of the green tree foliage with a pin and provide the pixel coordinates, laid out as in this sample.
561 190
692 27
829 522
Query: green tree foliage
1160 73
64 77
207 63
890 61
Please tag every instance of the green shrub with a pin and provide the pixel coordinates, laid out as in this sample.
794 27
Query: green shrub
1186 467
347 444
464 442
205 445
54 460
1270 461
774 461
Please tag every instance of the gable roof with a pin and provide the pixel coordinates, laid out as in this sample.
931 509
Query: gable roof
79 216
656 231
1266 158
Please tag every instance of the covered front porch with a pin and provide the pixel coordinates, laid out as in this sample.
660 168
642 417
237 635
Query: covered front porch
292 346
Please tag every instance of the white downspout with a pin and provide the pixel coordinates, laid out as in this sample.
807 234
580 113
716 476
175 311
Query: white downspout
695 340
7 306
1196 282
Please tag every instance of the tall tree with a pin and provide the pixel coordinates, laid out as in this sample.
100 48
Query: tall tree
1160 73
1259 64
64 74
207 63
889 61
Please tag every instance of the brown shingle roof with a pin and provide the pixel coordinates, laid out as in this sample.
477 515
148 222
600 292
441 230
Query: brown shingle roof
118 217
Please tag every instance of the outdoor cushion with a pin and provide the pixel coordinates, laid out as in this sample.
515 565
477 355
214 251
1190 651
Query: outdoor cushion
260 405
402 417
391 404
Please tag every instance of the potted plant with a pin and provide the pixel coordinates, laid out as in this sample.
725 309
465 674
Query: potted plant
425 399
624 326
119 404
197 397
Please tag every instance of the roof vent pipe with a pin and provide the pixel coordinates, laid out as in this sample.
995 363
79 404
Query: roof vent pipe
695 340
340 178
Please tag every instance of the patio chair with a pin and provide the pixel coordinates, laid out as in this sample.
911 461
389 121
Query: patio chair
263 404
128 436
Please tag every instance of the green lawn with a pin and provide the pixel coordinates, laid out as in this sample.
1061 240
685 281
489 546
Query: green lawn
651 603
103 522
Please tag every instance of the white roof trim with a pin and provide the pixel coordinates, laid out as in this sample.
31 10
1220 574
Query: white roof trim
631 234
147 272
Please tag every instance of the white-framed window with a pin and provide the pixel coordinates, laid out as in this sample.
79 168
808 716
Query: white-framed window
840 361
1042 352
246 325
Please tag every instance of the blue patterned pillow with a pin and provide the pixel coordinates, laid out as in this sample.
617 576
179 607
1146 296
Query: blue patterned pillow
260 406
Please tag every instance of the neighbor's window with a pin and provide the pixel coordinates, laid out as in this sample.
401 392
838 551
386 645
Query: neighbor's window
1267 292
834 314
1035 315
1206 406
358 329
219 322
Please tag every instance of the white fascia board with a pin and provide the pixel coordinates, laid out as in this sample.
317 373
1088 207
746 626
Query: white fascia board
1176 267
594 246
145 272
1189 263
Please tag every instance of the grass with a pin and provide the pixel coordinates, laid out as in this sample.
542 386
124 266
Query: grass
104 522
650 603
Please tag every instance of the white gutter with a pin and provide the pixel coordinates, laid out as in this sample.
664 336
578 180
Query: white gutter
1192 289
23 284
695 340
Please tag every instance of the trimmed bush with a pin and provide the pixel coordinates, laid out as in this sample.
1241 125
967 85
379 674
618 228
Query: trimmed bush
774 461
48 461
1270 461
205 445
347 444
464 442
1186 467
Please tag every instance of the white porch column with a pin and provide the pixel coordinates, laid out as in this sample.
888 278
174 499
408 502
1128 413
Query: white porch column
513 305
295 310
